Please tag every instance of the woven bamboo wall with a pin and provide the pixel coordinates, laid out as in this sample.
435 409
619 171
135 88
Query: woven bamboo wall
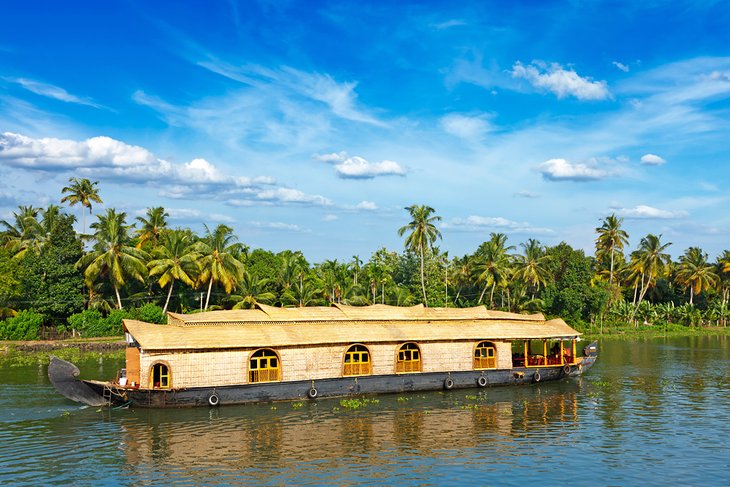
218 368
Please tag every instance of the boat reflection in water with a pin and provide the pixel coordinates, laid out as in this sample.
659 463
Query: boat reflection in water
255 441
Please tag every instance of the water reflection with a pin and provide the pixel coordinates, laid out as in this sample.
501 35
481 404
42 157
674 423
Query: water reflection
251 438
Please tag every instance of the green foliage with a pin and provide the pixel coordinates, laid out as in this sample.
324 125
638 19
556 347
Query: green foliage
10 285
49 278
25 326
569 294
151 313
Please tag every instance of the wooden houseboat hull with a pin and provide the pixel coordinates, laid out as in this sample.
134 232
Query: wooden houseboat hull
97 393
280 354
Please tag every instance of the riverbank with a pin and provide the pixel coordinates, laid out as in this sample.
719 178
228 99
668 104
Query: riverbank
654 331
20 353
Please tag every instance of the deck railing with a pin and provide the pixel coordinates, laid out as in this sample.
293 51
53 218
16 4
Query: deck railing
264 375
357 368
485 362
402 367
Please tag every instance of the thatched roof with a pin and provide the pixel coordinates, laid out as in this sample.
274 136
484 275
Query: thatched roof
288 327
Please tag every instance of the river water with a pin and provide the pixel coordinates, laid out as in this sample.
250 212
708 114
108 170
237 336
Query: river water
650 411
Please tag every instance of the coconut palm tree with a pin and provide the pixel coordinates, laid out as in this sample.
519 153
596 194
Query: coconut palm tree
24 233
112 256
251 292
493 264
152 226
610 239
217 260
174 259
83 192
423 234
695 272
530 267
650 261
355 265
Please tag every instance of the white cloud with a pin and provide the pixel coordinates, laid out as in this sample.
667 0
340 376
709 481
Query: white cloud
649 212
288 195
475 223
527 194
330 217
275 226
50 153
468 127
652 160
334 157
621 66
560 169
448 24
356 167
51 91
366 205
560 81
187 214
107 157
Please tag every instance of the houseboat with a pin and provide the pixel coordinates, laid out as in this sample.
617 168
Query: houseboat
277 354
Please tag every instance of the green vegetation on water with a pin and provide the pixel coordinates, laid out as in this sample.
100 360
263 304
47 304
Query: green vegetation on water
11 357
55 283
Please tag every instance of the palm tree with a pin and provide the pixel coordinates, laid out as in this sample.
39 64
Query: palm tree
251 292
461 274
24 233
152 226
722 269
695 272
355 266
611 238
650 261
218 260
294 267
423 233
530 267
112 255
81 191
493 265
174 260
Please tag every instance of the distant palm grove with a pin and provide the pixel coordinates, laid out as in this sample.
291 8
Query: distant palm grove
56 282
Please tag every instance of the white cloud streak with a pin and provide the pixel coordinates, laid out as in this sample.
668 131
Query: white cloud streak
645 212
476 223
621 66
468 127
51 91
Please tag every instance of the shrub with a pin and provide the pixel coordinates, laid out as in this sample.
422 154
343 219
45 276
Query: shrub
151 313
87 323
24 326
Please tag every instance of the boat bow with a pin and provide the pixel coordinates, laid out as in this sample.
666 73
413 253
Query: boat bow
64 377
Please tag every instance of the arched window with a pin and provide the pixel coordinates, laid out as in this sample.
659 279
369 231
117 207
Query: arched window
357 361
160 376
263 366
408 358
485 356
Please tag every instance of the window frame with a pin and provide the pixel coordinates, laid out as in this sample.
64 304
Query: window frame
406 366
254 374
361 369
493 347
167 376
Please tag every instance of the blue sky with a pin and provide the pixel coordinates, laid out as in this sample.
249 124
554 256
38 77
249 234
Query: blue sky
311 125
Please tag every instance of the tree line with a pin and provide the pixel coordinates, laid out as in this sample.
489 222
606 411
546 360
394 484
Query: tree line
52 276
